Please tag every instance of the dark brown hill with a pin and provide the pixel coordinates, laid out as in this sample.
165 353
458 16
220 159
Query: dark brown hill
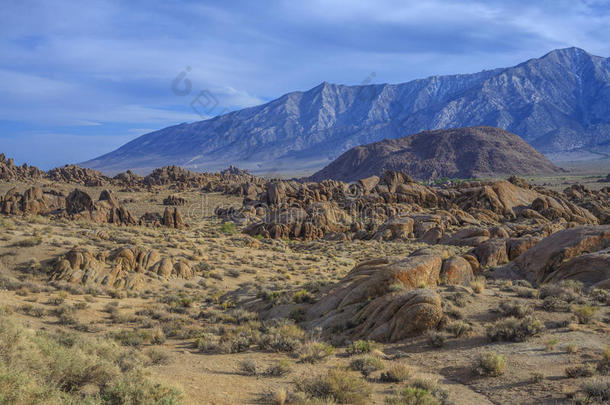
454 153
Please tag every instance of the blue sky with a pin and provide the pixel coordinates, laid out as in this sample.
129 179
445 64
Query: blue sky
78 79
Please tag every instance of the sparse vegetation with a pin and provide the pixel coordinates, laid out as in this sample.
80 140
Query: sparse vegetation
337 385
361 347
490 364
514 330
584 313
53 369
366 364
397 372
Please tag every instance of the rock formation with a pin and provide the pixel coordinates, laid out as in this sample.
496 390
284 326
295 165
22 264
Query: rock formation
580 253
129 267
389 299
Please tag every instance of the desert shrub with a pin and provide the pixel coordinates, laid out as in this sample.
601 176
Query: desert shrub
31 310
515 309
600 295
117 294
248 367
459 329
525 292
506 285
397 372
180 300
235 273
340 386
228 228
283 337
567 290
490 364
603 366
460 299
139 337
206 343
479 284
10 283
157 356
549 344
580 370
366 364
412 396
279 369
555 304
314 352
597 389
302 296
273 297
361 347
514 330
436 339
537 377
571 348
584 313
52 369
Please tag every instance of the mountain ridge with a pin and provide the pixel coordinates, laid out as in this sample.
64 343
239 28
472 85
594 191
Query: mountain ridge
559 102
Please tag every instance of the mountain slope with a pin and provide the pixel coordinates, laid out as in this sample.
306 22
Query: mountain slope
559 102
456 153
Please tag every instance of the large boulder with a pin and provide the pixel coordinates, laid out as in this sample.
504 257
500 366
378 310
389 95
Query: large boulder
564 255
491 253
397 227
367 298
457 270
172 218
394 317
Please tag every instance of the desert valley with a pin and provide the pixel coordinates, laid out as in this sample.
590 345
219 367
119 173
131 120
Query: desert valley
180 286
175 228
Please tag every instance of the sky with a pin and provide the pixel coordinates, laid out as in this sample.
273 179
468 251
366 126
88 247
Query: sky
79 79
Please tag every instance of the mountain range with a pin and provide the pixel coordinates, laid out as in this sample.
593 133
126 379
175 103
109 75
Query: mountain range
454 153
557 103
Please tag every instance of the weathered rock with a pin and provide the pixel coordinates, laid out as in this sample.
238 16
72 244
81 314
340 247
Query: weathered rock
397 227
391 318
491 253
549 260
78 201
78 175
129 267
172 218
457 270
364 297
174 200
467 237
10 172
385 316
518 246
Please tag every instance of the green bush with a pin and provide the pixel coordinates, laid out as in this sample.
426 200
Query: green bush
366 364
584 313
361 347
397 372
514 330
314 352
228 228
412 396
53 369
515 309
338 385
490 364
